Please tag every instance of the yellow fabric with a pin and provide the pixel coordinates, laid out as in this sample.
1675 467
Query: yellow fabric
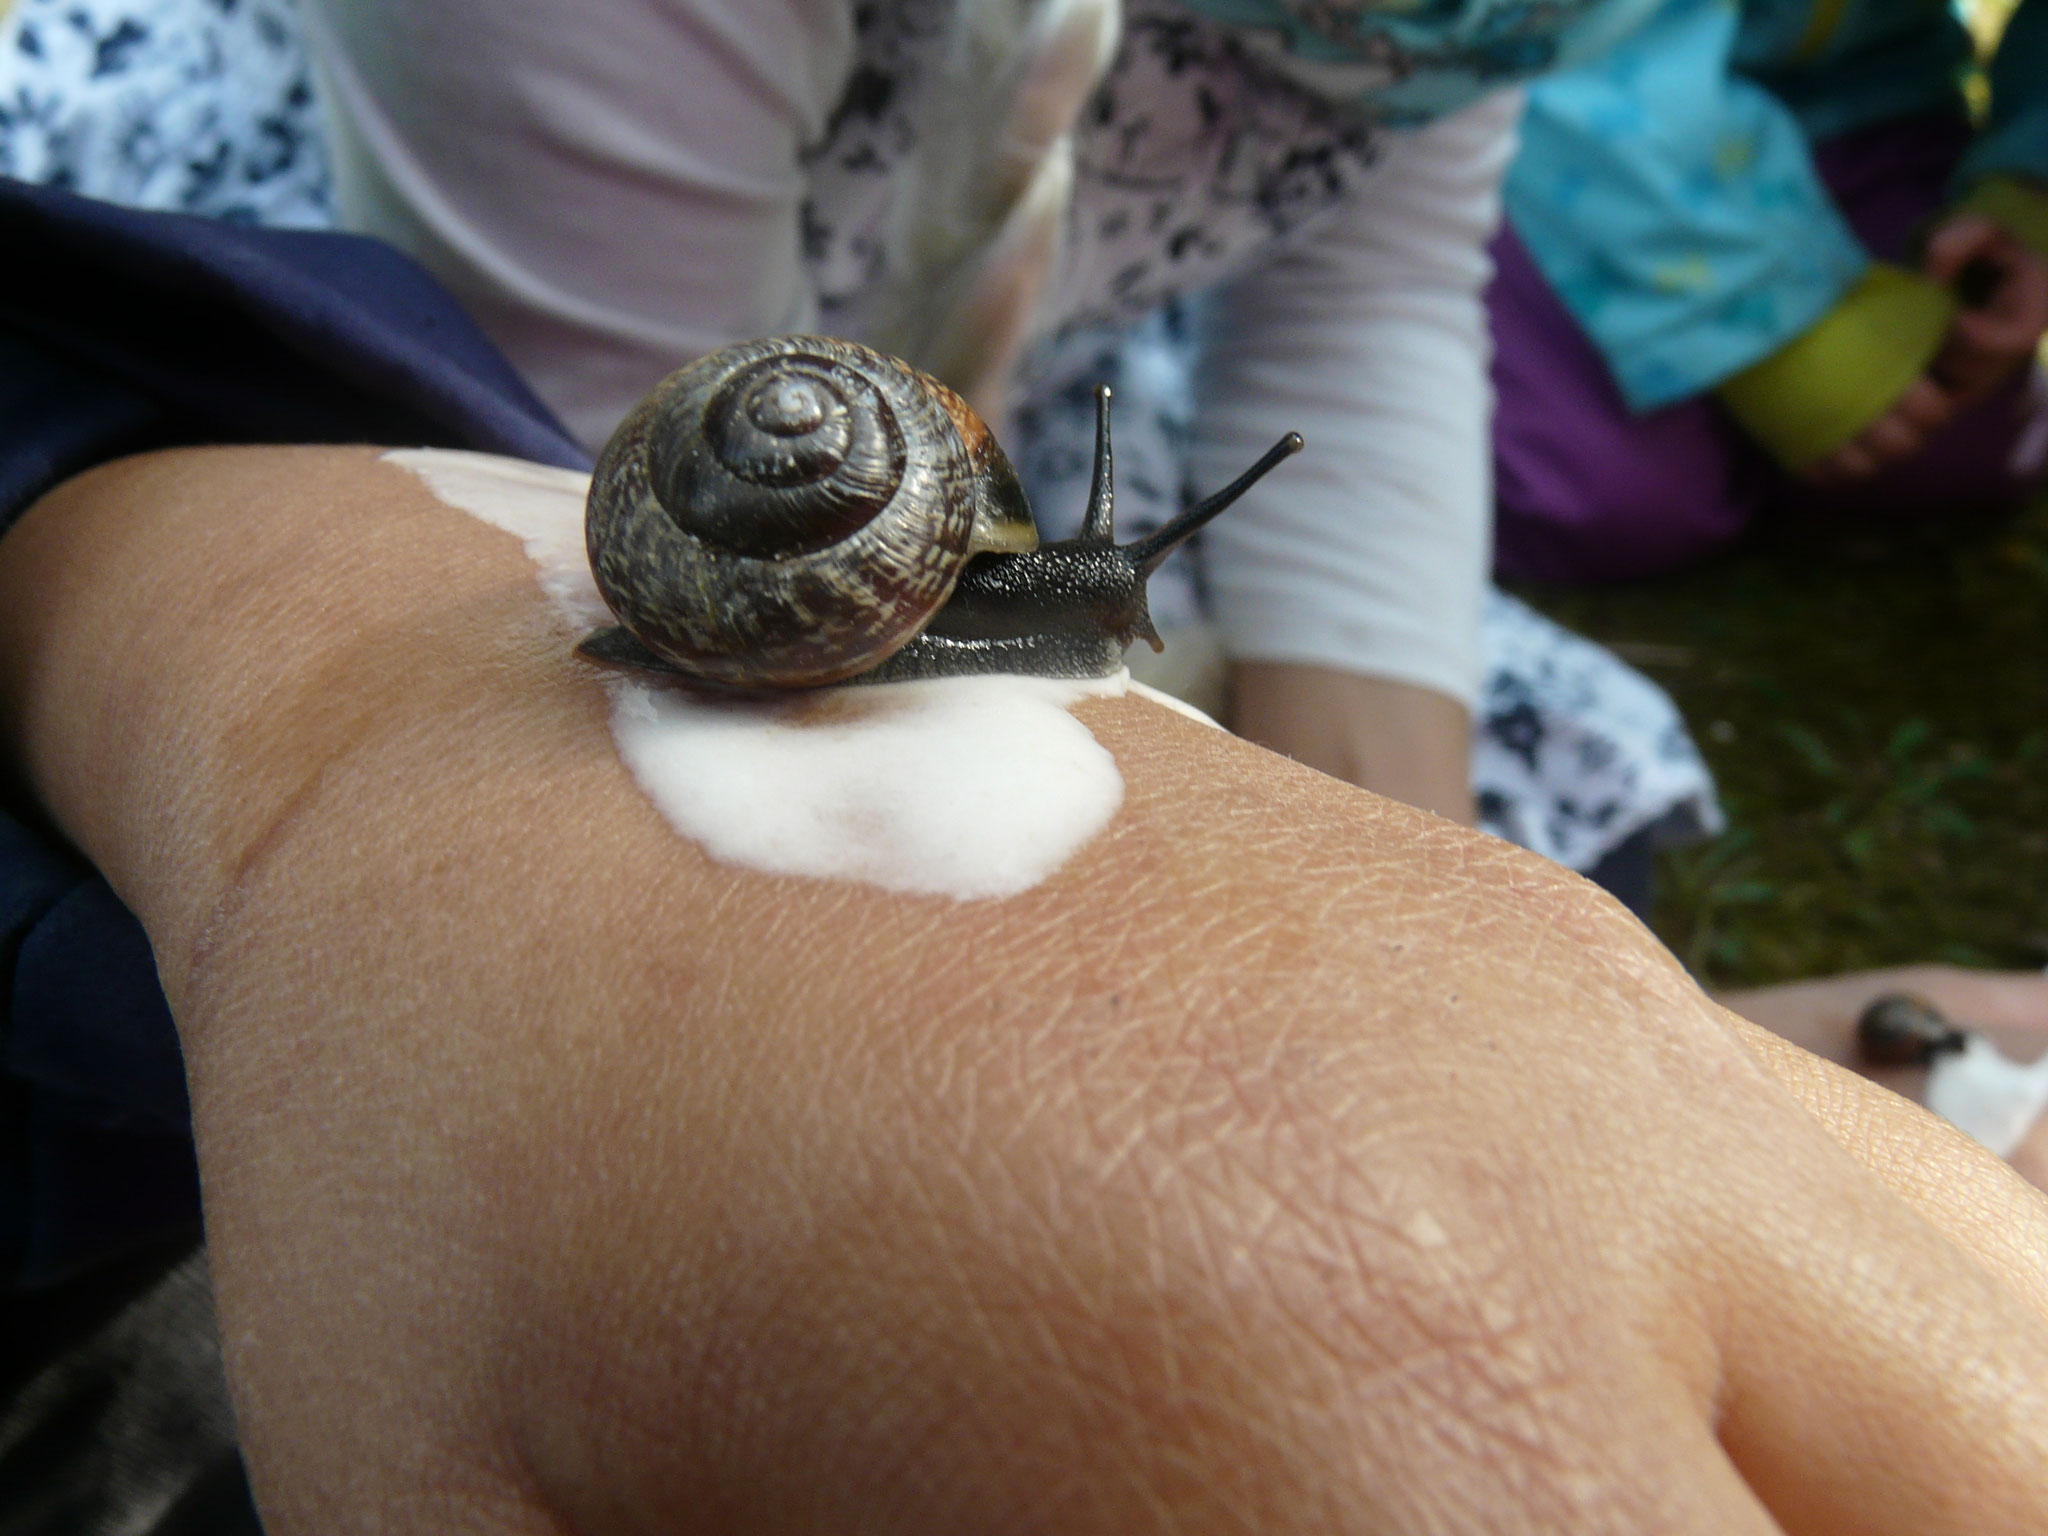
1819 391
2021 207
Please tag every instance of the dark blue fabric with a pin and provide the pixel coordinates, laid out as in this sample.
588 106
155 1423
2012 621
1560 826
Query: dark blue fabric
85 974
56 419
235 334
119 331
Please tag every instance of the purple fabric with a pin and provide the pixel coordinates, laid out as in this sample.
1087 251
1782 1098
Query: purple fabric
1587 491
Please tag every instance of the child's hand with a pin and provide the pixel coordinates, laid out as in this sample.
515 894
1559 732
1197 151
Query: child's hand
1994 333
1923 410
2004 287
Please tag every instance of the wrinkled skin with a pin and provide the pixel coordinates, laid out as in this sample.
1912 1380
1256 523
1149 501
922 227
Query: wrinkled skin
1290 1161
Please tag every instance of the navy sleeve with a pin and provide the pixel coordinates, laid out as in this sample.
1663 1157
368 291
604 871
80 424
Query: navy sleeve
122 331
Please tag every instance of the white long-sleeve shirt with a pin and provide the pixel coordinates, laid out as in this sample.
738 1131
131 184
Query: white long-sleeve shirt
615 187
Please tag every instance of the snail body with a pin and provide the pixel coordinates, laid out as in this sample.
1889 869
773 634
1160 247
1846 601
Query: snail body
801 510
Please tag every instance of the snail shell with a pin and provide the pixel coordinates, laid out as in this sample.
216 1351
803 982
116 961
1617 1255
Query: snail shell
793 511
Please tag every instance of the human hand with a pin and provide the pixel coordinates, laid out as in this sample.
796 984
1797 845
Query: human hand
1899 433
1996 330
1288 1161
1999 326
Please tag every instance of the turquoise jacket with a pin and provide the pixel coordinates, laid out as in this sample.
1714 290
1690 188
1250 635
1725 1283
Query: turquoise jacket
1666 189
1406 62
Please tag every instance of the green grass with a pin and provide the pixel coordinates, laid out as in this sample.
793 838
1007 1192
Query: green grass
1876 712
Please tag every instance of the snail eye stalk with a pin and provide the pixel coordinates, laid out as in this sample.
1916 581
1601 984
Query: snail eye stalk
1098 524
1149 551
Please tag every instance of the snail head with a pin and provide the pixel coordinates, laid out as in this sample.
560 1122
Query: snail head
1077 604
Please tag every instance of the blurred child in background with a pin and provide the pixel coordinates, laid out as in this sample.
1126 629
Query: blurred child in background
1758 255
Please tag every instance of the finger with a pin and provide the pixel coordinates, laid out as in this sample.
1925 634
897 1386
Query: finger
1853 461
1973 372
2026 294
1645 1460
2011 1006
1821 1013
1965 1193
1892 437
1876 1380
1926 405
2001 338
2018 283
1980 999
1719 1490
1968 372
2030 1158
1676 1472
1955 243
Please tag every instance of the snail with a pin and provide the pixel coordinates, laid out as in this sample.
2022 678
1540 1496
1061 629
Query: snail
799 511
1901 1030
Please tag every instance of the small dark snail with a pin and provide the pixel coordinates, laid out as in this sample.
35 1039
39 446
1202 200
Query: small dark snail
799 511
1901 1030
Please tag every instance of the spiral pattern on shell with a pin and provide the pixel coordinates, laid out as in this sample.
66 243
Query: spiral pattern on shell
793 511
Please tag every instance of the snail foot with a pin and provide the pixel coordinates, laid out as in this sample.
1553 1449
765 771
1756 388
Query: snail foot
616 647
1060 654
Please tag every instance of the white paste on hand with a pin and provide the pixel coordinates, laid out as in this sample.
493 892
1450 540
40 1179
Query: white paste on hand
1166 700
1987 1095
966 787
541 506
